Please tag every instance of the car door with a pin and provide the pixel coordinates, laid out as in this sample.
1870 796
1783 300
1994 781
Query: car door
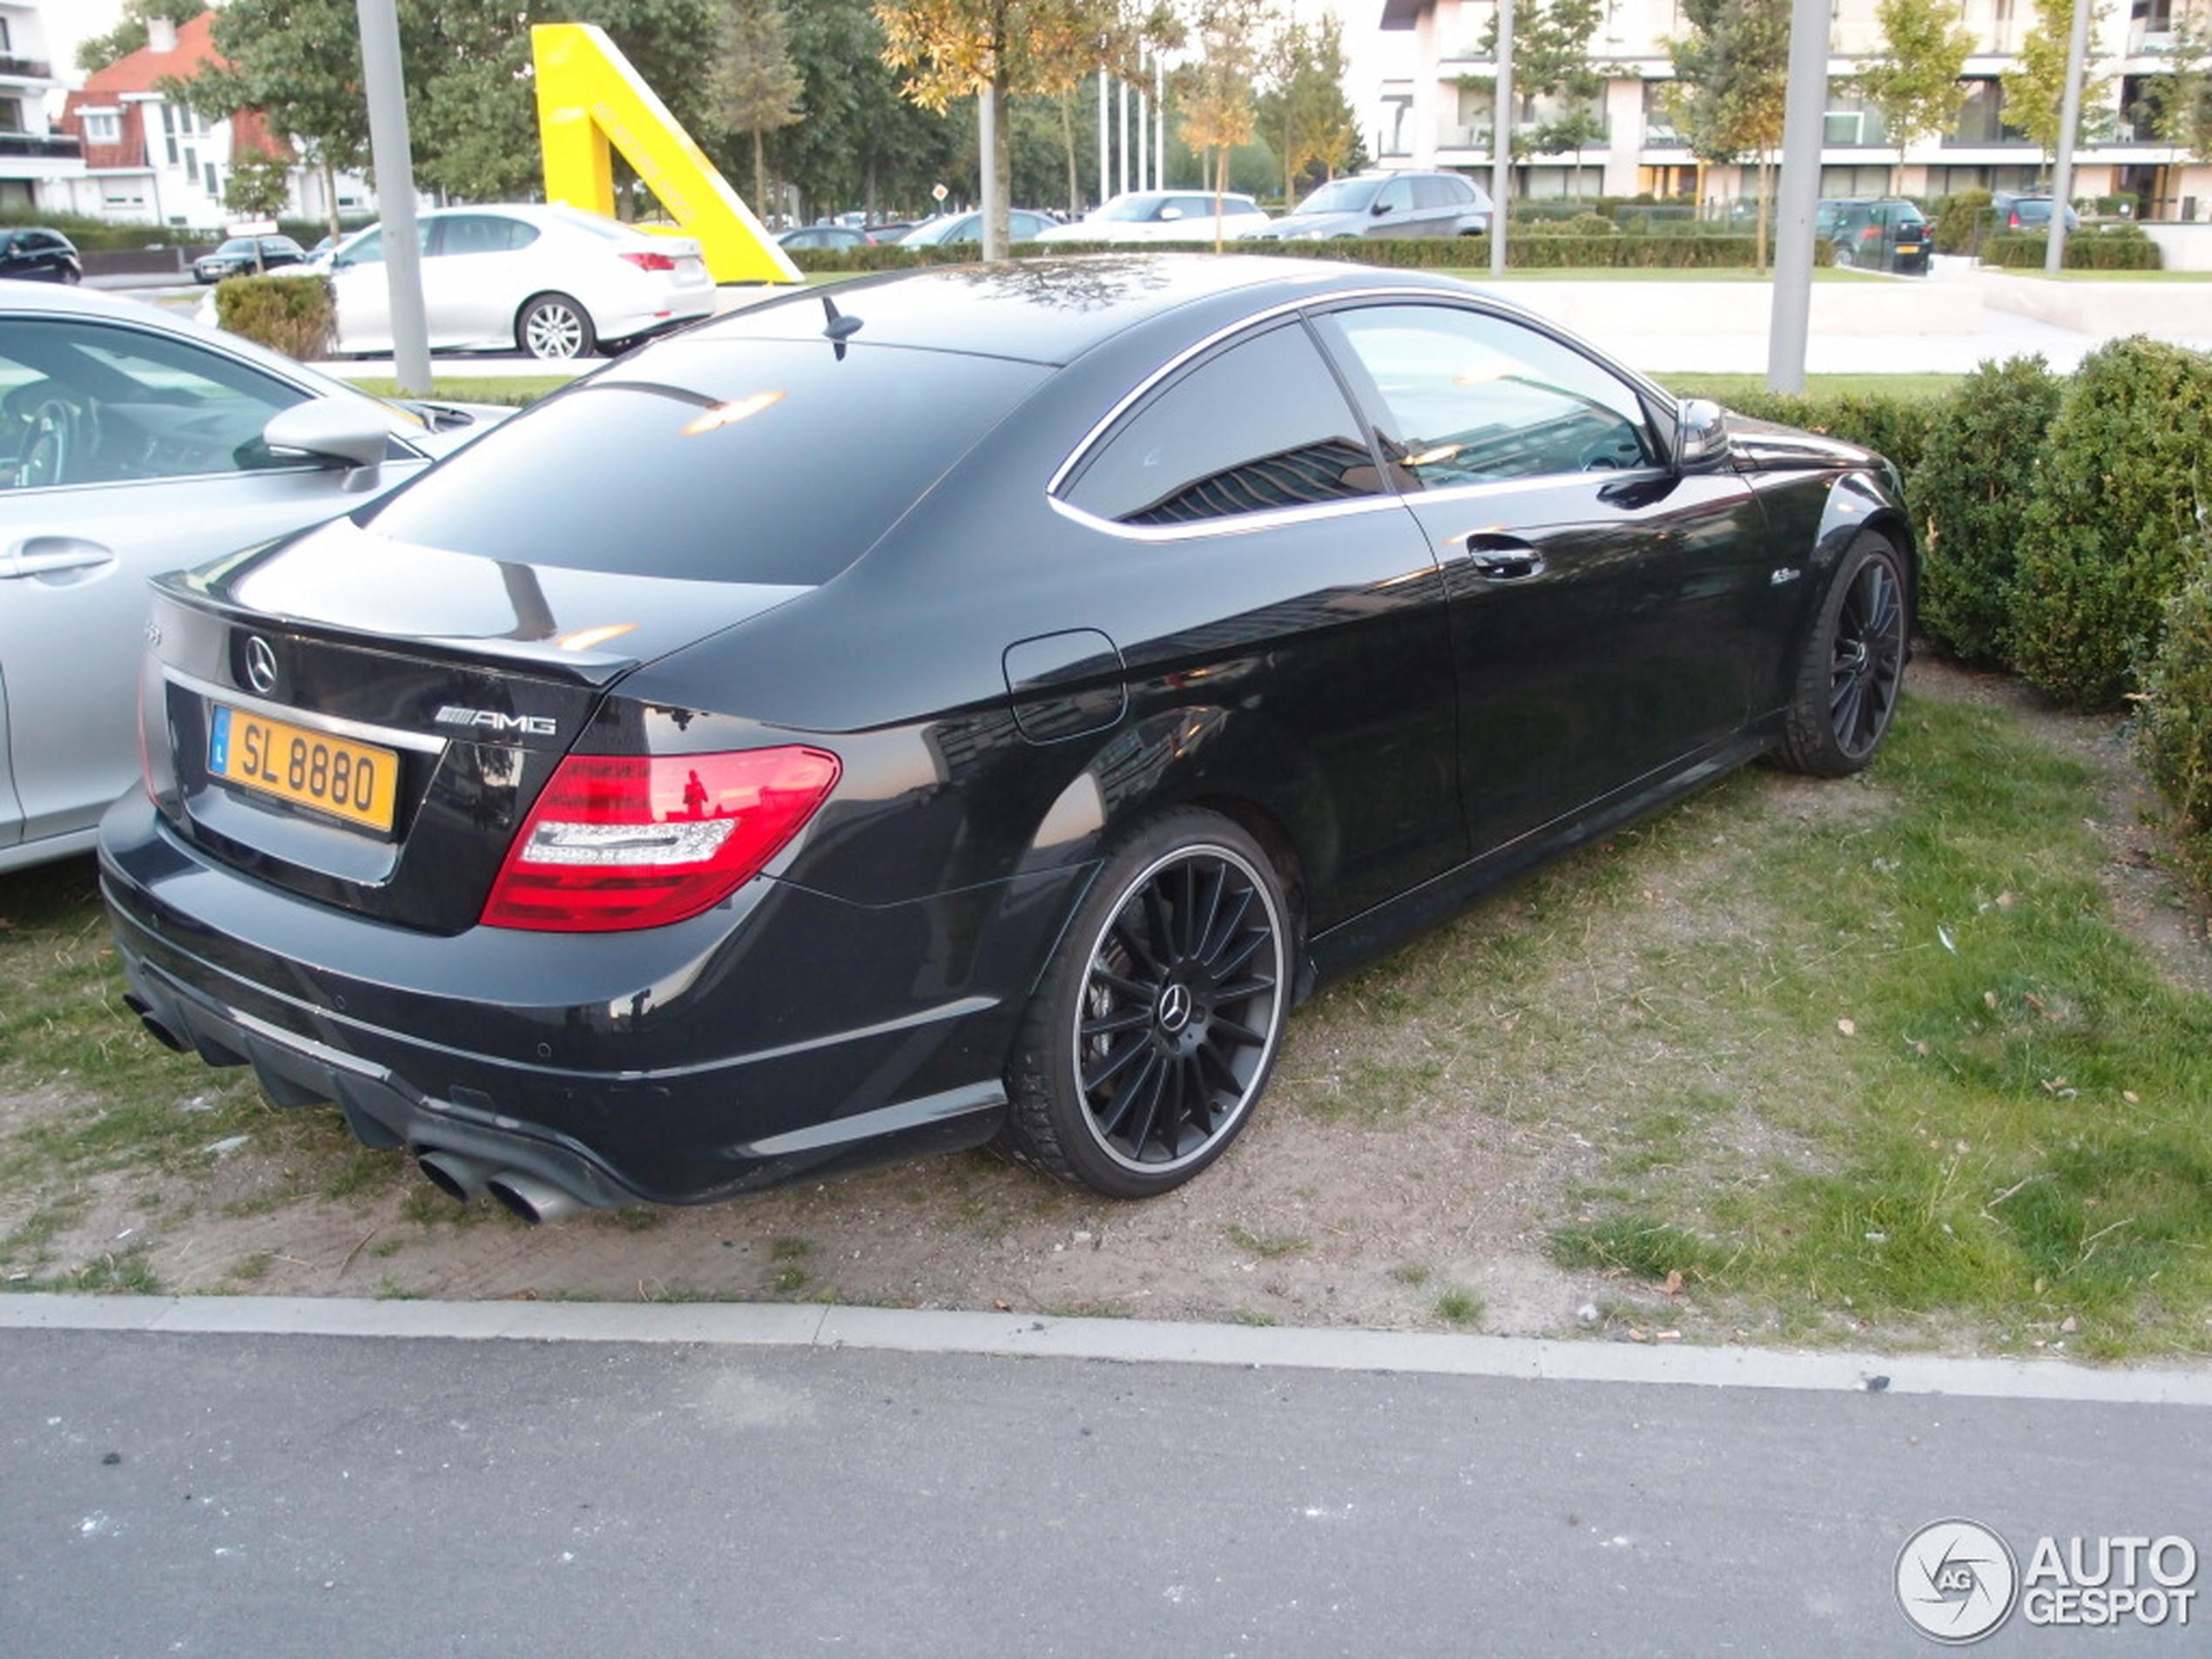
473 280
1255 559
1391 213
127 453
1606 609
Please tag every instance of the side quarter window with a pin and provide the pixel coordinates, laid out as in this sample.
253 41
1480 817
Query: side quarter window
1468 398
1258 427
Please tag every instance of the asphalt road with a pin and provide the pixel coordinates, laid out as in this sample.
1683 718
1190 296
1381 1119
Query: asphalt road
757 1484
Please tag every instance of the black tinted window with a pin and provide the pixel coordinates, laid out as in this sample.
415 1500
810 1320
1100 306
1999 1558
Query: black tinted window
778 462
1259 426
1470 398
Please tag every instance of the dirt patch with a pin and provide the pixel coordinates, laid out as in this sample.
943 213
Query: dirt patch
1430 1210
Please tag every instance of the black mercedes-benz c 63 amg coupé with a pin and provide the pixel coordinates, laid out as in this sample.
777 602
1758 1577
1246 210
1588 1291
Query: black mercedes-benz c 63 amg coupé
972 706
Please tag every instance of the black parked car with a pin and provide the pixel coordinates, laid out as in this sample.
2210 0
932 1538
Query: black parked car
33 254
1029 682
1876 235
245 256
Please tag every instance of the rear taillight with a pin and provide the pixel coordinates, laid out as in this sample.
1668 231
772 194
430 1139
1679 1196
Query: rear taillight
619 841
650 261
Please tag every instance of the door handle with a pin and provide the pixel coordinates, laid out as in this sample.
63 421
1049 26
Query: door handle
1503 558
50 555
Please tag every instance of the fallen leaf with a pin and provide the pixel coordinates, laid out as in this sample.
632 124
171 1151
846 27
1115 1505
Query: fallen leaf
1848 1028
1989 999
1673 1286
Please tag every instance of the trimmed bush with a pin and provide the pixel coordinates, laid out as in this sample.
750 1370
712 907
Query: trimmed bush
1525 250
2174 732
1582 225
1959 220
2113 521
297 315
2109 248
1969 498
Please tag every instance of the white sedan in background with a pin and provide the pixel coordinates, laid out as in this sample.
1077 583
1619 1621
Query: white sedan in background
554 281
131 443
1161 216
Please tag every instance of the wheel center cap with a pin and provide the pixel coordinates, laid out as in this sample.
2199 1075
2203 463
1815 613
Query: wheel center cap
1174 1008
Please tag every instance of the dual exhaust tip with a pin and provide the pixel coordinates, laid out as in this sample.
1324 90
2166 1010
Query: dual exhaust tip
464 1179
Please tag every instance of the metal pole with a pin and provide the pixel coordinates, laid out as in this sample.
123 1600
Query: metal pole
1802 129
2077 54
388 143
987 126
1105 165
1121 172
1501 140
1159 124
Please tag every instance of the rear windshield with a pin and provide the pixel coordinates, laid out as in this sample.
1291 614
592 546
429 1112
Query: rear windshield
773 461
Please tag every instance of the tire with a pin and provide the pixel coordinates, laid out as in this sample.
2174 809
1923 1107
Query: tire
1847 684
554 327
1156 1026
1844 258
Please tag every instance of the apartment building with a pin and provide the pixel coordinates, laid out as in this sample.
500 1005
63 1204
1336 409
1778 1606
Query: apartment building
33 159
1440 114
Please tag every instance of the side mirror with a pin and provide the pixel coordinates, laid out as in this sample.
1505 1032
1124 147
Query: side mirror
334 430
1701 434
1171 213
1380 208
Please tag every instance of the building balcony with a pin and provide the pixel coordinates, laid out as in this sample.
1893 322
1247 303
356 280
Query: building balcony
24 69
49 146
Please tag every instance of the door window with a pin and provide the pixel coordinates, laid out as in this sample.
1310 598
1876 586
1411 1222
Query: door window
1468 398
84 402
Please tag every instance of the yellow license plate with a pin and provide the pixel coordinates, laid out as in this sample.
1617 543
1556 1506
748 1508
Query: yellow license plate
358 782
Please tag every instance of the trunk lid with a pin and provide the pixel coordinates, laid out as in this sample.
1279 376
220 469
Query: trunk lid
366 722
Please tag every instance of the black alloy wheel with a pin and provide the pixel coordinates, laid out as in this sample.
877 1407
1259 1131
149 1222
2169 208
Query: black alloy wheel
1156 1028
1853 670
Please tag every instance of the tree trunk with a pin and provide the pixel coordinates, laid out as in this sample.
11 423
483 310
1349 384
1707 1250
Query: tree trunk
760 179
329 196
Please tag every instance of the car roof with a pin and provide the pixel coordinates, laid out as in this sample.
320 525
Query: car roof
1052 311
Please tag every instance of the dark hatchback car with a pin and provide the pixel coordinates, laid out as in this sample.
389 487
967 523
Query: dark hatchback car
37 255
1030 682
1876 235
246 256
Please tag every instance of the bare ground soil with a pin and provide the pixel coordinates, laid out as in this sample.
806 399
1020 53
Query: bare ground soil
1433 1215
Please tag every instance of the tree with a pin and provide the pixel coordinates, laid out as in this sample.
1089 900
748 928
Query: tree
860 143
298 62
1551 60
757 84
259 185
2179 101
1915 77
1732 74
2035 86
1303 110
95 52
1214 89
986 49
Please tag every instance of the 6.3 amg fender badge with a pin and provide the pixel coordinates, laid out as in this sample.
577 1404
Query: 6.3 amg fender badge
528 725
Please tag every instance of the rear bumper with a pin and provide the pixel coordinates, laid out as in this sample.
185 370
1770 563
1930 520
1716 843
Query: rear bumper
781 1035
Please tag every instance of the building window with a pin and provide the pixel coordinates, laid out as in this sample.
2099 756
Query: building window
103 126
11 115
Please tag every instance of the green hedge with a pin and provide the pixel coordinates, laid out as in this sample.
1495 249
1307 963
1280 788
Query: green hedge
1969 494
2109 248
1898 428
297 315
2174 725
2114 524
1959 220
1525 250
